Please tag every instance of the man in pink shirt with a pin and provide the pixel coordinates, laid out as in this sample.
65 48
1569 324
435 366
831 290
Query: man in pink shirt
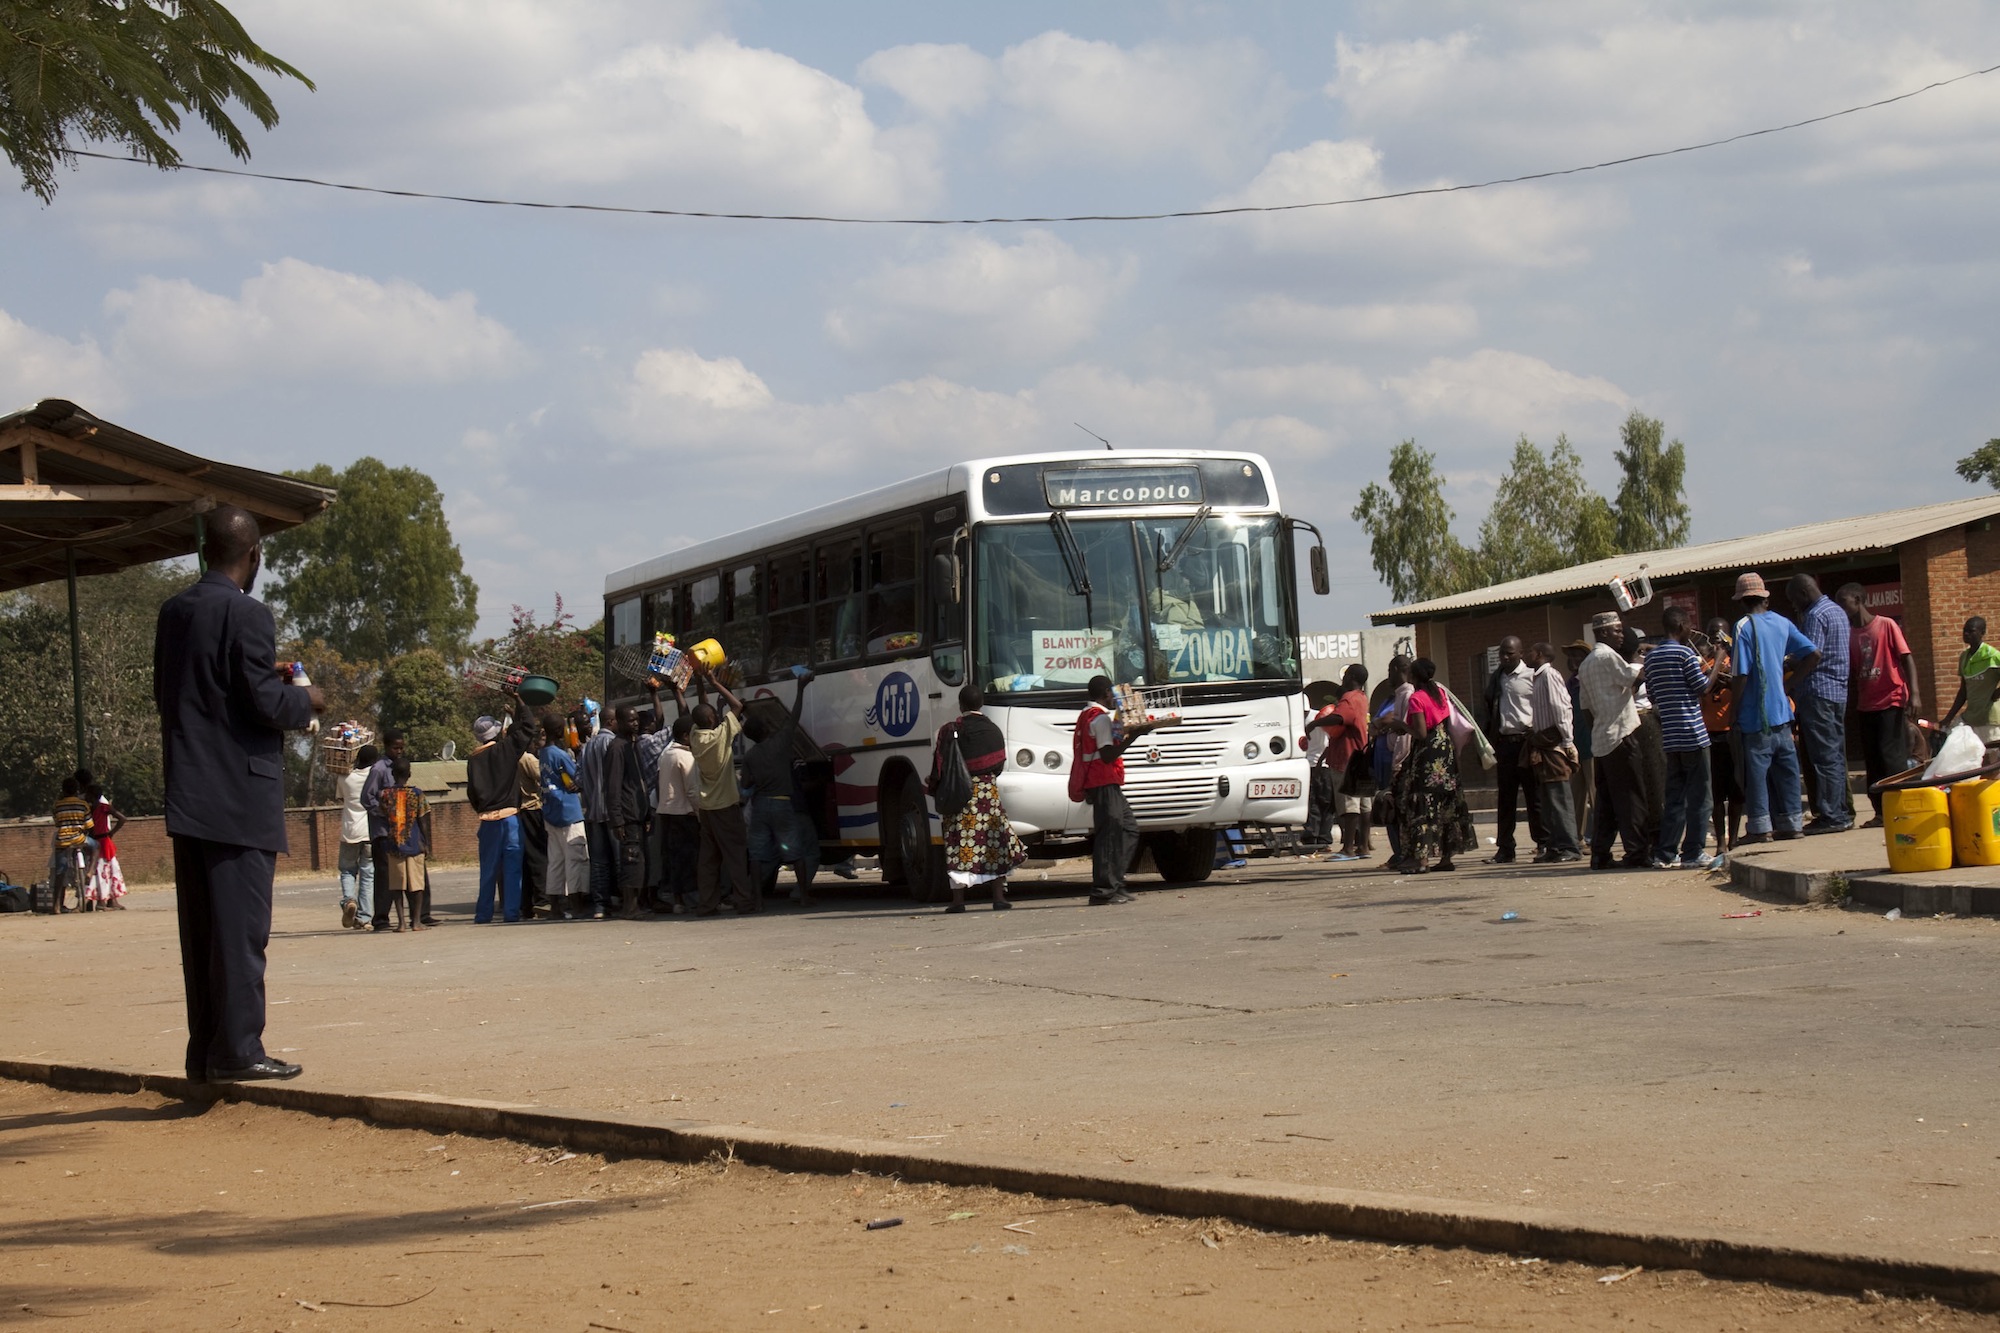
1884 676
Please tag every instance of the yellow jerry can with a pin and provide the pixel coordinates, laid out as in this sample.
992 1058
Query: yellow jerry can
1975 822
1917 824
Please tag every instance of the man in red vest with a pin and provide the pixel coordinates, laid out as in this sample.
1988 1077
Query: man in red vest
1098 773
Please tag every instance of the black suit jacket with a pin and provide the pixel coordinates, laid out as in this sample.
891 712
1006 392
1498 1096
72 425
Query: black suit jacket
224 711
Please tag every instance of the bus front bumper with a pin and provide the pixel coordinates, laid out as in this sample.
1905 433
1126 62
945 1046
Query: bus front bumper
1165 797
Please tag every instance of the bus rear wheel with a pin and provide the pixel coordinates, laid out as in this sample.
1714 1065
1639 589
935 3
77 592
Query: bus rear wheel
916 861
1183 857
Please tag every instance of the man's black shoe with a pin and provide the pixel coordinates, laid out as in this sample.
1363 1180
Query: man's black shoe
1817 828
1502 859
1107 899
1562 858
708 911
263 1069
1602 863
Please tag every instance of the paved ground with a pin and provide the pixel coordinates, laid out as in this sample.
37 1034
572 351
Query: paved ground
1622 1047
130 1213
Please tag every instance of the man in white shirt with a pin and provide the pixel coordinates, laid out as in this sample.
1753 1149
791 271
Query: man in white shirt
676 819
1509 719
1609 686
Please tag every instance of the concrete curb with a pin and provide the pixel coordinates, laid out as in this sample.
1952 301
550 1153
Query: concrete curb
1916 895
1353 1213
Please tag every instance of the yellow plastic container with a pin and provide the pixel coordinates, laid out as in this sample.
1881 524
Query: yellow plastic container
1917 826
1975 822
709 653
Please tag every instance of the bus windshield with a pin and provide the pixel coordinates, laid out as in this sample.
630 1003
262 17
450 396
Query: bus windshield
1188 600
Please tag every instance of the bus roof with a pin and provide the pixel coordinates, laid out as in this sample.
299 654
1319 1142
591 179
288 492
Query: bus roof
858 508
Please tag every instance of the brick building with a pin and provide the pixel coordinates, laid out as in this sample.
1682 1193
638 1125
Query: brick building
1928 567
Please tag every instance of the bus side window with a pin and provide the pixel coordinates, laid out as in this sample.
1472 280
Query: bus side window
743 620
837 587
625 626
701 609
790 591
894 629
660 608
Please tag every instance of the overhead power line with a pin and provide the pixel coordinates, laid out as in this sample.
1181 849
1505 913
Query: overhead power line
1227 211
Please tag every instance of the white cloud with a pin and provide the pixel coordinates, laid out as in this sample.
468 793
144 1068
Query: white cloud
35 365
1131 413
1278 318
980 300
937 81
1510 392
1508 225
541 99
1090 101
300 321
1281 438
685 379
1322 382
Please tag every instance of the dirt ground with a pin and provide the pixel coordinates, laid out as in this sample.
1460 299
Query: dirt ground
138 1213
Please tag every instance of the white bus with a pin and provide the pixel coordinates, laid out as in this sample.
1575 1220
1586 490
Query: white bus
1030 575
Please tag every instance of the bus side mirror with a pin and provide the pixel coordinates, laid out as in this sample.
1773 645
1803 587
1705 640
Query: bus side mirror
944 578
1317 560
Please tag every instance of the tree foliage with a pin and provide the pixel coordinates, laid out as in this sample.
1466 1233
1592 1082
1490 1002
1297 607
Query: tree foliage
121 728
571 656
1652 488
1982 464
378 574
1545 516
124 72
422 697
1409 529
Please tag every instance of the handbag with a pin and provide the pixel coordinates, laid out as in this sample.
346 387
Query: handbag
953 790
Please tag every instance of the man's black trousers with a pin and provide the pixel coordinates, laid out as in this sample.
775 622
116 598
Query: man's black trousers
1515 786
224 895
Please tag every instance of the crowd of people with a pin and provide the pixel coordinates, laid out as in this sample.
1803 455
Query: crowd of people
1669 751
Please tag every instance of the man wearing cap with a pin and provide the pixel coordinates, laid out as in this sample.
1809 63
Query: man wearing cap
493 790
1766 647
1610 689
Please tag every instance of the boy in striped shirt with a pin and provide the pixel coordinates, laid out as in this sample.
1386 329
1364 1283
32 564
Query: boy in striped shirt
1675 681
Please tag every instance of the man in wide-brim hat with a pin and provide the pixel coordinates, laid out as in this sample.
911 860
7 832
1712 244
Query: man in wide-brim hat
1768 648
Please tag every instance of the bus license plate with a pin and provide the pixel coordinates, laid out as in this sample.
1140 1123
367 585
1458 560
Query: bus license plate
1272 789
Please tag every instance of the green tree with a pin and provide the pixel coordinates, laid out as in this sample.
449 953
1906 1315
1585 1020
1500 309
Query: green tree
1982 464
378 574
558 649
422 697
1544 516
1409 530
1651 503
121 728
123 72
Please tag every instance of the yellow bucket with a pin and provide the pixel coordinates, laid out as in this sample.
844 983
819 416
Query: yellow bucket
1917 825
1975 822
709 653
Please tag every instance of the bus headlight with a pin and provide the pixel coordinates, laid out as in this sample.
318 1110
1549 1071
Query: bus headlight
1052 760
1250 749
1026 759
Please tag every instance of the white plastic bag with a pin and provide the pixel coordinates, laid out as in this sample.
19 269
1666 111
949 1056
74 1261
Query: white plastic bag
1961 752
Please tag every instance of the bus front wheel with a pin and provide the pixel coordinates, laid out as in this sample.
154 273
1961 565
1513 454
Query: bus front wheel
917 862
1183 857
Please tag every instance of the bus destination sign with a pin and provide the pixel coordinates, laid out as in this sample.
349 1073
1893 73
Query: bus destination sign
1106 487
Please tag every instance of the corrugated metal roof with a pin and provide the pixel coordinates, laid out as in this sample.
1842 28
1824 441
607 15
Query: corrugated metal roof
1786 546
150 515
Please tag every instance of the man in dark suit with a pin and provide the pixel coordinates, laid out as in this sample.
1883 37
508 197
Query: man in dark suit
224 710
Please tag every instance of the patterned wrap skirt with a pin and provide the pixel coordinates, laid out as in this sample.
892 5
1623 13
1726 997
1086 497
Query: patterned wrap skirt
1429 808
979 845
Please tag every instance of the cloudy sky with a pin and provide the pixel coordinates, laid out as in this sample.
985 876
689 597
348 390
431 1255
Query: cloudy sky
1813 313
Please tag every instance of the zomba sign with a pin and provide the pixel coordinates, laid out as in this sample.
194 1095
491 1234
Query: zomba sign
1073 656
1208 654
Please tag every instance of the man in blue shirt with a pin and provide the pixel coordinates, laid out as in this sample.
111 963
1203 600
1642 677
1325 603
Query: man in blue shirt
1822 701
1675 682
1766 647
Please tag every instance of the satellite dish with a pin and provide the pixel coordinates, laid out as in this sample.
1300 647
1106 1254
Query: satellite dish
449 752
